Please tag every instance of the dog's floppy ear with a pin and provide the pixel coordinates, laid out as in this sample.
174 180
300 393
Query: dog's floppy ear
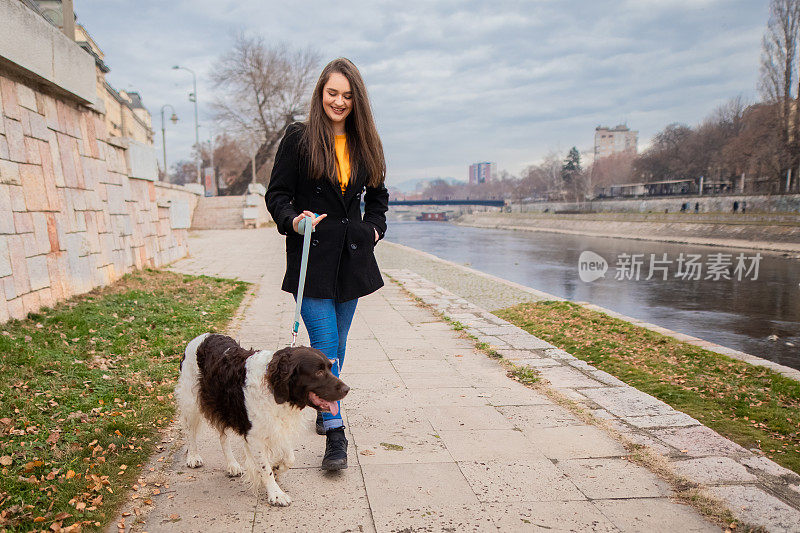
280 372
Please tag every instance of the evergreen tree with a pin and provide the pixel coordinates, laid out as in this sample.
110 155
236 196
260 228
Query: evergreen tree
571 167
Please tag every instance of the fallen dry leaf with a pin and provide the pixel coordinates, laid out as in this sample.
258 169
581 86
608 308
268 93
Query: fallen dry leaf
6 460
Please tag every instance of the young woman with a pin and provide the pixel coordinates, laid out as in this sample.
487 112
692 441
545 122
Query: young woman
322 168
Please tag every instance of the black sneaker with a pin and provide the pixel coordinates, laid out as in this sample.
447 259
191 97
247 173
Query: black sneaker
320 426
335 450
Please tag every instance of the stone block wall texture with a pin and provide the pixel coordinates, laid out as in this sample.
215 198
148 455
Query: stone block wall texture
71 218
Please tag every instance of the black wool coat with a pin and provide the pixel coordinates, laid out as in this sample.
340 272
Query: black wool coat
341 262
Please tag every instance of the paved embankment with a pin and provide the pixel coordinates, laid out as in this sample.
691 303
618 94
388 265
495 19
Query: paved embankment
755 489
440 437
745 231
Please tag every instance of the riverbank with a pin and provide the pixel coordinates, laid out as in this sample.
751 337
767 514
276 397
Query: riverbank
767 232
494 293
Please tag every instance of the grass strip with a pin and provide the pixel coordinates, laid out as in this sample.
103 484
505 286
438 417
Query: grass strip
751 405
85 388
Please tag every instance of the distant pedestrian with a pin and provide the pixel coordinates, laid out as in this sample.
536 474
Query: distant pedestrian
744 206
735 207
322 167
697 207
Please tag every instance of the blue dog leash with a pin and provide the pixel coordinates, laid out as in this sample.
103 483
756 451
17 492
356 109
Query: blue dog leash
305 229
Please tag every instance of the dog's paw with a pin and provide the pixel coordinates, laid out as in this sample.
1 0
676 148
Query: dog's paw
193 460
279 499
235 470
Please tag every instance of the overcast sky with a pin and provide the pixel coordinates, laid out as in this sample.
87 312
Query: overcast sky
453 82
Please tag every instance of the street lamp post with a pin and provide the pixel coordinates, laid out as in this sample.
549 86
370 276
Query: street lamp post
193 98
174 119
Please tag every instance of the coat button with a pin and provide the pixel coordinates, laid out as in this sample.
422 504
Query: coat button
345 221
319 190
353 246
314 242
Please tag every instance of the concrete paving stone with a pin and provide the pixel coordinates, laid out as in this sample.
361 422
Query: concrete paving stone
320 502
576 396
205 495
367 399
412 353
505 330
366 367
699 441
365 349
660 421
557 353
643 439
461 396
492 341
767 466
205 502
519 480
627 401
473 518
399 487
572 442
608 379
525 342
581 365
488 445
754 506
371 382
471 360
496 377
514 354
429 366
562 377
537 363
613 478
426 380
433 326
549 517
539 416
713 471
513 393
444 418
653 514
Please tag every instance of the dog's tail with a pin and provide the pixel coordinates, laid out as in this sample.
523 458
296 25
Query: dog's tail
190 354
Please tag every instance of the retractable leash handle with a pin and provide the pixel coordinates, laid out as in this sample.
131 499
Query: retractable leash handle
305 227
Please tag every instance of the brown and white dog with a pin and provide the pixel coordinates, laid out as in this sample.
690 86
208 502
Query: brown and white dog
257 394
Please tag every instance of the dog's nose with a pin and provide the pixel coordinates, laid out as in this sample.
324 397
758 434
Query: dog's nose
345 389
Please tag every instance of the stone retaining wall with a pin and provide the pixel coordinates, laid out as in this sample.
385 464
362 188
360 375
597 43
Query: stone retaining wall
762 235
71 218
762 203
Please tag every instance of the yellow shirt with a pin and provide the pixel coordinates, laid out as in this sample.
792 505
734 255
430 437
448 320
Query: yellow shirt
342 161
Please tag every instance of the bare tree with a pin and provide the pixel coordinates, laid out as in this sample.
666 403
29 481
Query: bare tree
779 68
261 89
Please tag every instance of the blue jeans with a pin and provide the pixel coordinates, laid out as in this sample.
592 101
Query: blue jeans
327 323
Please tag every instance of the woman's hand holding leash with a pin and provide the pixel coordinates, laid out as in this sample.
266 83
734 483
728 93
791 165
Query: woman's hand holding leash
315 219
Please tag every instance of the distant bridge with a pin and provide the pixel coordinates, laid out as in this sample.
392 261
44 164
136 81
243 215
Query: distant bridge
494 203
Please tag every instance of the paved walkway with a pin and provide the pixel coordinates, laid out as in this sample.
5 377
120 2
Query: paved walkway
440 438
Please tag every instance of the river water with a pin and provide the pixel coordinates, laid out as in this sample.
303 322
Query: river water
741 312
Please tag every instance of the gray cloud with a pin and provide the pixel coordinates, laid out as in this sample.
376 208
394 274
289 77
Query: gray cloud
453 82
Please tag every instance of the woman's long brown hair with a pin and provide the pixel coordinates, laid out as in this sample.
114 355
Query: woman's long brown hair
363 142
